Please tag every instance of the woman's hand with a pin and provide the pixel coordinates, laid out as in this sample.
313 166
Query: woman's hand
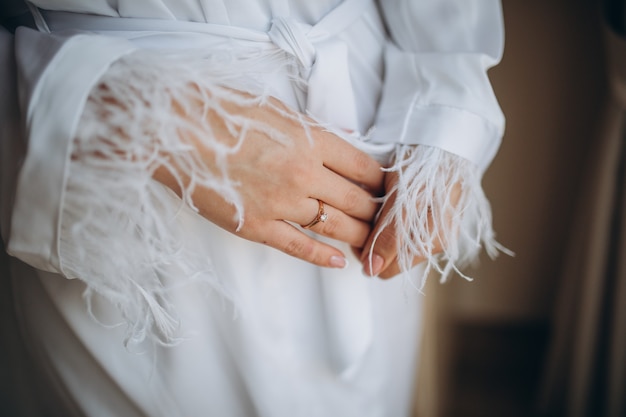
280 182
384 253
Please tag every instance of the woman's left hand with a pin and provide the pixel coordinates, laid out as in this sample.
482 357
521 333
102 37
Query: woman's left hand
384 254
383 261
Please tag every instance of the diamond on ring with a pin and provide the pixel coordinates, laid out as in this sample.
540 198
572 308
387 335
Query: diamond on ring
322 216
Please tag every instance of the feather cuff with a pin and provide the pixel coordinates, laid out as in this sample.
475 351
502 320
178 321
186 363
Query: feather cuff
440 211
119 228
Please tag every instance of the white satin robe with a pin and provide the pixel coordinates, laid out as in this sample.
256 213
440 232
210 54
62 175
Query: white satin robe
278 337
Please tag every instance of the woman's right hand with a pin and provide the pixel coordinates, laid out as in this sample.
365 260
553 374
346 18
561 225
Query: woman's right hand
280 182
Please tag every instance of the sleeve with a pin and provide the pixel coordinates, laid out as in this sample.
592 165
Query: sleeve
436 89
439 108
54 76
98 118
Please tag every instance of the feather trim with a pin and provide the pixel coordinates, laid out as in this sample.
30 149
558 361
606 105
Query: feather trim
440 211
119 230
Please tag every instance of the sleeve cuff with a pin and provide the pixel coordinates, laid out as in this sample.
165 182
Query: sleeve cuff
440 100
54 109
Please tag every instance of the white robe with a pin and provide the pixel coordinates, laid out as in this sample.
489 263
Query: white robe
258 333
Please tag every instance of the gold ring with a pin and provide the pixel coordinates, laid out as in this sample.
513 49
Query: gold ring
321 216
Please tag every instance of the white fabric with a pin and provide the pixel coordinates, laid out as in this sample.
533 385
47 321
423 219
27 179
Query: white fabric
438 72
48 147
306 341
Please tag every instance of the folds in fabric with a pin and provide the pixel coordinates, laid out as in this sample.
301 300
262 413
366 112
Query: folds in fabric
87 206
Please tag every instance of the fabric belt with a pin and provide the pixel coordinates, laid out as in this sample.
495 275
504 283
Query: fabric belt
321 56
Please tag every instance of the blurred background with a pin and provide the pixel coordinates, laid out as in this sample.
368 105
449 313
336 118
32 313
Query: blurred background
544 333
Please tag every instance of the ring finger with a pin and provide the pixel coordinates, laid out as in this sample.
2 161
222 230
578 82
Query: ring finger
333 223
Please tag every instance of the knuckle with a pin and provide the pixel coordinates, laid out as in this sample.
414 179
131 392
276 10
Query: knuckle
299 248
362 164
390 272
386 275
386 241
299 173
250 230
331 226
352 199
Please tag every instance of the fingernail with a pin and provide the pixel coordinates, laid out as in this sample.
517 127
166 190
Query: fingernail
338 262
376 265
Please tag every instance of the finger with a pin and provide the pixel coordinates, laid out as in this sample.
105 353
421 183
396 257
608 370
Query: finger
394 269
345 196
288 239
342 227
337 224
383 253
382 259
380 250
391 271
351 163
